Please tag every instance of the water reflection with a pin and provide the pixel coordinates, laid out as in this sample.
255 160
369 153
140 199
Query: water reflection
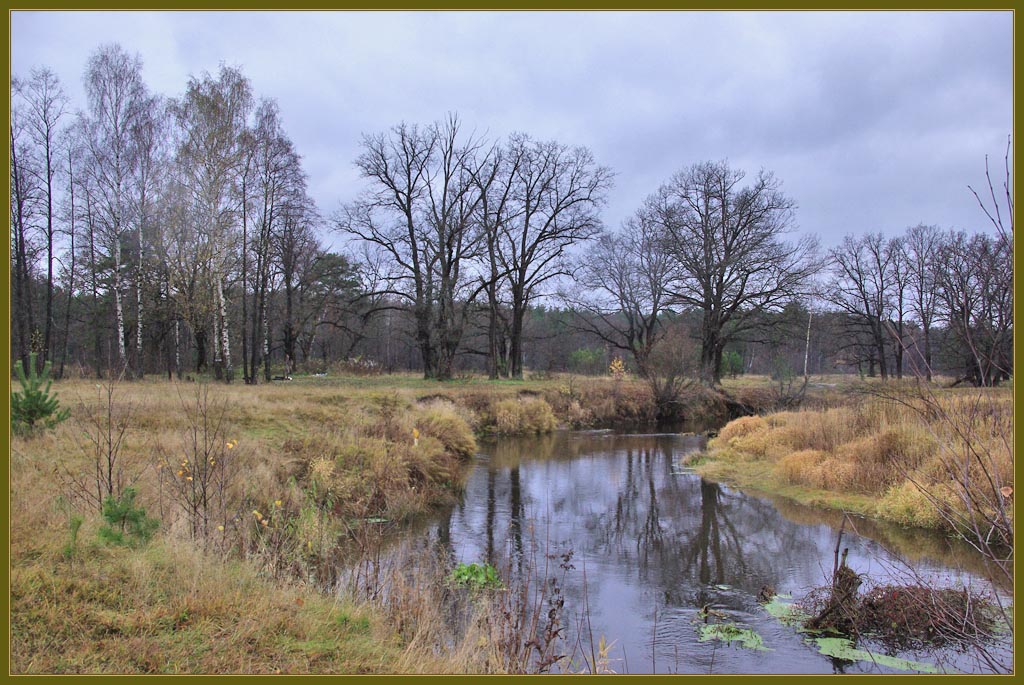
653 544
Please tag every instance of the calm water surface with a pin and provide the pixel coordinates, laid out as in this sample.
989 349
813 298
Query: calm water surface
652 543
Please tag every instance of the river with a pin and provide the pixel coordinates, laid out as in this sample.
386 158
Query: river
656 553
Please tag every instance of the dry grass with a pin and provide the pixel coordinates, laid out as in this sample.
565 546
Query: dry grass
285 471
912 455
170 609
227 586
524 415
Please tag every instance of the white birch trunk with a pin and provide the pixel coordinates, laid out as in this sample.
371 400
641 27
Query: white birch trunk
225 340
177 348
138 305
119 307
807 346
216 339
266 337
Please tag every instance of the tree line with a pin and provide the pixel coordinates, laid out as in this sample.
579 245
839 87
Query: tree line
154 234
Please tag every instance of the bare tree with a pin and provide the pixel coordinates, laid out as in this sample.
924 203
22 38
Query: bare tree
622 294
273 178
921 246
727 242
45 105
24 205
497 180
420 210
295 244
149 137
115 92
861 287
1000 216
557 192
900 274
976 289
70 217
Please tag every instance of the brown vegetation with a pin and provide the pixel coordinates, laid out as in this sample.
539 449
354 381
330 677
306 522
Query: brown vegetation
926 461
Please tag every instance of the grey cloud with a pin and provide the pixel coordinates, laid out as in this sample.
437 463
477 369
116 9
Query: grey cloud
873 120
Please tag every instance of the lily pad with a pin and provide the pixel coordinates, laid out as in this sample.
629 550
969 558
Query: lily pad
789 614
841 648
728 632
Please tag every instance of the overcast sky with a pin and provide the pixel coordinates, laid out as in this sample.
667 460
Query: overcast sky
873 120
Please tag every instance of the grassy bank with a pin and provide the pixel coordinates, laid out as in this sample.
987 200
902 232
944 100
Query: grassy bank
935 459
170 609
252 489
258 494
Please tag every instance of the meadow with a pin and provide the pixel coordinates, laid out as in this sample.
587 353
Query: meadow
184 527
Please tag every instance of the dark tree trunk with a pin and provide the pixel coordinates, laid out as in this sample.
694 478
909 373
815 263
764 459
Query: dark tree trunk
883 367
22 282
927 353
492 342
424 340
200 338
516 352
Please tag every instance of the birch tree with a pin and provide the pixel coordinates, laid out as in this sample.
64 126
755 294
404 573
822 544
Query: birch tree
149 138
115 93
273 182
211 117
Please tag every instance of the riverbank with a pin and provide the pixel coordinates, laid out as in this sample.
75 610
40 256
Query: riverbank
939 459
251 489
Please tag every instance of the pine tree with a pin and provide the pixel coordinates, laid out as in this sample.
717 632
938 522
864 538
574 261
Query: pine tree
34 406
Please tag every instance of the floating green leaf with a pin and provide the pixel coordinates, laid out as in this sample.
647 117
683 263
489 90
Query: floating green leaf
728 632
841 648
789 614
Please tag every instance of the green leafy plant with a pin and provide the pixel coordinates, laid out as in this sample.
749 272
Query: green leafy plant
34 406
127 524
476 576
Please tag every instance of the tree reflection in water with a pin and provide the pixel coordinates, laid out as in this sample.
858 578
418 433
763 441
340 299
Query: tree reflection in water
651 537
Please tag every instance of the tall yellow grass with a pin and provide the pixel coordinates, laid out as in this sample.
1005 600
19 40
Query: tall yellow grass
916 455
